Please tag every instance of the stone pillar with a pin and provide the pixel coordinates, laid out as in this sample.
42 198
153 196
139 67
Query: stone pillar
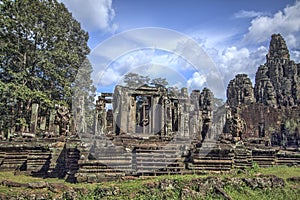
100 119
51 127
156 117
185 119
199 126
95 122
132 115
116 114
163 117
167 116
34 117
43 123
181 119
123 112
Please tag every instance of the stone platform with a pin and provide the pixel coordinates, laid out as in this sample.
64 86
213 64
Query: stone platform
73 161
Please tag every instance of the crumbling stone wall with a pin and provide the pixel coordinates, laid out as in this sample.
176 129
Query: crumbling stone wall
271 109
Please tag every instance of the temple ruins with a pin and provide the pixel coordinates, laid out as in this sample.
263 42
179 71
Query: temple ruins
148 130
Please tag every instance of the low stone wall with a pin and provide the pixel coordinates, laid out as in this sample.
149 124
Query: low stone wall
70 159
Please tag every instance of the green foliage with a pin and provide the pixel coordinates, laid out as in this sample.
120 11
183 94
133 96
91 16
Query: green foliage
135 80
246 193
254 168
41 49
291 124
160 81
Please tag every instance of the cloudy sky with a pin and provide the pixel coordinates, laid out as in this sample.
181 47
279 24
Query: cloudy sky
234 34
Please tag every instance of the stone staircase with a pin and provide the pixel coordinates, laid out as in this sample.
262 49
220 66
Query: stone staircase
264 157
242 157
161 160
211 157
13 160
57 162
105 162
31 159
288 158
109 162
92 171
38 162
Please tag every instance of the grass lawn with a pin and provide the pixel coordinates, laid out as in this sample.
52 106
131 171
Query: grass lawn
139 188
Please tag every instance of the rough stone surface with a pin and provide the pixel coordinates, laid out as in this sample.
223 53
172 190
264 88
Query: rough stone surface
240 91
270 110
277 81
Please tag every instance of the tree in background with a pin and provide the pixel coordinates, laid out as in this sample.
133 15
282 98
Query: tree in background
41 49
135 80
160 82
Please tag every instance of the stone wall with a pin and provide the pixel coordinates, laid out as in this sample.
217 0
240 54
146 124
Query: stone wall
271 109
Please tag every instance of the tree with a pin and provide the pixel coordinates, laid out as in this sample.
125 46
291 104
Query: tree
135 80
175 91
41 49
160 82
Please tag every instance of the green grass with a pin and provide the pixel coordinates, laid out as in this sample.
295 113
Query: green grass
262 194
138 189
281 171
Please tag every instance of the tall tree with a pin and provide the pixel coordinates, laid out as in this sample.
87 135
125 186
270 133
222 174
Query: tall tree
41 49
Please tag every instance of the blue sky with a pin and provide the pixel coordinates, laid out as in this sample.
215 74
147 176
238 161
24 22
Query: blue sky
234 34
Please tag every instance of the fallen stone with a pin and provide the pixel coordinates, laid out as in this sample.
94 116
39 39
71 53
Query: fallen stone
13 184
38 185
220 191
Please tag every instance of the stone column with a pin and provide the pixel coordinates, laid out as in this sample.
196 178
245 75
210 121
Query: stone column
156 117
51 127
100 118
34 117
163 117
132 115
43 123
123 111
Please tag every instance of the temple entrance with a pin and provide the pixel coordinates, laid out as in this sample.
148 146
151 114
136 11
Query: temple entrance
143 105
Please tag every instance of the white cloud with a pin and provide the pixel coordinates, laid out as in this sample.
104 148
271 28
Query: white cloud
234 61
232 55
286 22
107 77
93 14
247 14
146 62
295 55
196 81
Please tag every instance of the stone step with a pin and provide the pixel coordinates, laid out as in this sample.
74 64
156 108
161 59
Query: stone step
211 158
210 168
156 156
107 170
198 161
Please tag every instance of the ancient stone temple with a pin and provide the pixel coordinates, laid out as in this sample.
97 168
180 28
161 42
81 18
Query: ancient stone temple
270 110
277 81
151 110
150 130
